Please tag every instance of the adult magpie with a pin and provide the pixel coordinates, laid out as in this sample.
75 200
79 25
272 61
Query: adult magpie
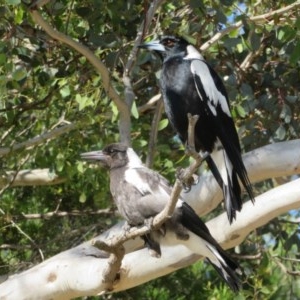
141 193
189 85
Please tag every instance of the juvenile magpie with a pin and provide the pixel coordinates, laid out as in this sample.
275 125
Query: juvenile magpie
189 85
141 193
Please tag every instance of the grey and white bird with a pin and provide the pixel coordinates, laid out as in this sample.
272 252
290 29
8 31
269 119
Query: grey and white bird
141 193
190 85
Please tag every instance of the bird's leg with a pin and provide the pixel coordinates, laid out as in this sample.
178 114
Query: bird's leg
190 150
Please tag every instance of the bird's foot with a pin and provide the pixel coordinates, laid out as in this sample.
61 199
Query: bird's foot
186 182
149 223
127 227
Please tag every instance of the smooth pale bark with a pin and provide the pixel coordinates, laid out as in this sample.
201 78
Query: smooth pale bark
78 271
30 178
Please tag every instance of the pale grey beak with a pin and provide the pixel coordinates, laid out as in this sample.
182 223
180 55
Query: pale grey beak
95 155
154 46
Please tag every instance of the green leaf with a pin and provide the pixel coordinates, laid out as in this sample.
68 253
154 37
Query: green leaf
19 14
80 167
241 111
19 74
13 2
240 48
82 198
280 34
115 111
134 110
295 56
286 113
2 58
255 41
65 91
163 124
280 133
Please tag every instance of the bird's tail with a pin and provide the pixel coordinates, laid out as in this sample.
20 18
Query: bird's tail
209 247
225 266
229 183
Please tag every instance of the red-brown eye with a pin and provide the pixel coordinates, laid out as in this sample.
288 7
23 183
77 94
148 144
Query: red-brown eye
169 43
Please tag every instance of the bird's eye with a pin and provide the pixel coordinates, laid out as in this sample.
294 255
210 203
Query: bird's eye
169 43
111 151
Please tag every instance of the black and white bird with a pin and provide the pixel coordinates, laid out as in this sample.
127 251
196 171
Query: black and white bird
140 193
189 85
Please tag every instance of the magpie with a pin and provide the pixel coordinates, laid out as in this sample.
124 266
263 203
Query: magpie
190 85
141 193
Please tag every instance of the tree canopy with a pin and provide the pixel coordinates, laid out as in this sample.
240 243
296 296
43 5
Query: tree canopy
73 80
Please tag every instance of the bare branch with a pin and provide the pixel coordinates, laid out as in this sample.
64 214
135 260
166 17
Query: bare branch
284 268
13 223
38 139
153 133
62 275
30 178
93 59
102 212
125 122
261 19
149 104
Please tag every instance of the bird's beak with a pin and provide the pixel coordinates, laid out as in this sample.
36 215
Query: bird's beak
154 46
97 156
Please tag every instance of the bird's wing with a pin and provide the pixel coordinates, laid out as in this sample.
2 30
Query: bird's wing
209 88
151 189
212 93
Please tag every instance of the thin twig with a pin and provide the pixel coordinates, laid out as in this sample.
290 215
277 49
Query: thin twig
153 133
39 139
262 19
149 105
125 121
48 215
11 220
284 268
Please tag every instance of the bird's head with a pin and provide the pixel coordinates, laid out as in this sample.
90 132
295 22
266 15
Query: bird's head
113 156
167 45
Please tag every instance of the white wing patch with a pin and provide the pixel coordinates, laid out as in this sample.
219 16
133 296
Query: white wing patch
133 177
222 162
200 69
133 160
193 53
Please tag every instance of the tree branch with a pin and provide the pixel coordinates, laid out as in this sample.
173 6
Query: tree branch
48 215
125 122
30 178
93 59
261 19
270 161
61 276
38 139
149 105
153 133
